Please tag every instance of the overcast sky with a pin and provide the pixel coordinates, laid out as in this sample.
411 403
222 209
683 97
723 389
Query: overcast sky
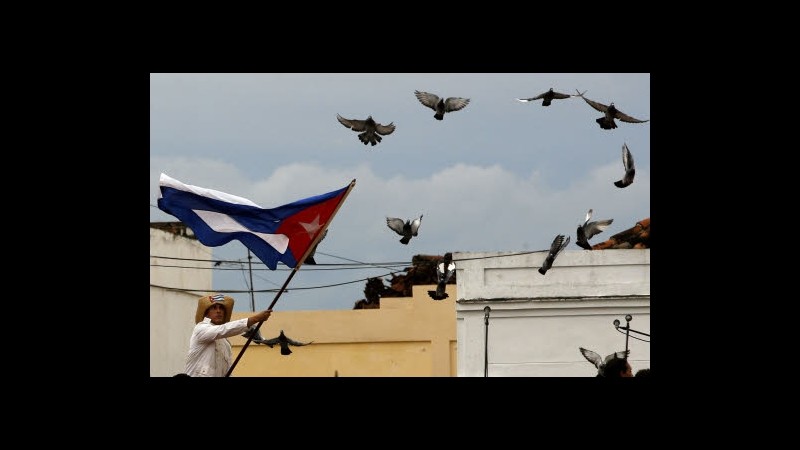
498 175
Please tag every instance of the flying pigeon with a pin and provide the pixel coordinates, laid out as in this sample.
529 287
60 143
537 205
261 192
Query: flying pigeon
284 342
589 229
440 105
555 248
444 271
257 338
610 113
630 170
406 229
598 361
310 257
546 97
371 129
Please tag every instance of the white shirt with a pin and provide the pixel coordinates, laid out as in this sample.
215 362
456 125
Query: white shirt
210 353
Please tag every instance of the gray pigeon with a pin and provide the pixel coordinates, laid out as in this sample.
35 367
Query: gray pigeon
444 271
630 170
589 229
257 338
598 361
371 129
555 248
610 113
546 97
284 342
440 105
406 229
310 257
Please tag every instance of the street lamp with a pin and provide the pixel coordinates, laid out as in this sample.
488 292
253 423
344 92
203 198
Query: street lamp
486 311
628 331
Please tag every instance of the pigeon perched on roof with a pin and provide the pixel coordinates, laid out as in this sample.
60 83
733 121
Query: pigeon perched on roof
440 105
598 361
310 257
589 229
406 229
546 97
555 248
444 271
372 131
630 170
610 112
284 342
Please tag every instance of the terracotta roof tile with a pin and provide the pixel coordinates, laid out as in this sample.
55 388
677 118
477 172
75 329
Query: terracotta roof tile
637 236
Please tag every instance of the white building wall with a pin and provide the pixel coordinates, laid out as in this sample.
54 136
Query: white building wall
537 322
171 311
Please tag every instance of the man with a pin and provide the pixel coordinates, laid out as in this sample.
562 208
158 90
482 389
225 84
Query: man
210 353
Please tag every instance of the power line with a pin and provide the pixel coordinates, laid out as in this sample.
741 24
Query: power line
500 256
310 267
382 264
354 265
240 291
236 261
358 262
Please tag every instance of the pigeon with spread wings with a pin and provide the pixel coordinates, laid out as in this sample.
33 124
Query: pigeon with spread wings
546 97
439 104
444 271
407 229
555 248
257 338
610 112
284 342
372 131
630 170
598 361
589 229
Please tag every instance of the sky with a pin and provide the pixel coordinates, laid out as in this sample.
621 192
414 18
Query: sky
497 176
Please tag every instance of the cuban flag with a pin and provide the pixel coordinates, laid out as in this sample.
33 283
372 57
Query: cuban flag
279 234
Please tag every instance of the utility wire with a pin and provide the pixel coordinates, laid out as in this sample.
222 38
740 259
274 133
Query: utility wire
359 262
240 291
393 263
634 337
305 269
365 263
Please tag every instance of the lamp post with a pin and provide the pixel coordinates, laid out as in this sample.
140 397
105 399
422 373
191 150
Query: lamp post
628 330
486 311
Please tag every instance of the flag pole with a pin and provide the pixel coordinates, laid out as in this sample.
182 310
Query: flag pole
250 269
316 240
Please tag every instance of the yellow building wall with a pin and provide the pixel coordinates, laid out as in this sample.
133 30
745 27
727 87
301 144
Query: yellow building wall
405 337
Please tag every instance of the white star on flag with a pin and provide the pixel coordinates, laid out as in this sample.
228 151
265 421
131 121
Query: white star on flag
311 227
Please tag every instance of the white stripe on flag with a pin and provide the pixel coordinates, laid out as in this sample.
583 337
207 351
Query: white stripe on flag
224 223
166 180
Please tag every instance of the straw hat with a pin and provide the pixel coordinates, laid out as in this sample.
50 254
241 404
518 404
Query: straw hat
203 303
